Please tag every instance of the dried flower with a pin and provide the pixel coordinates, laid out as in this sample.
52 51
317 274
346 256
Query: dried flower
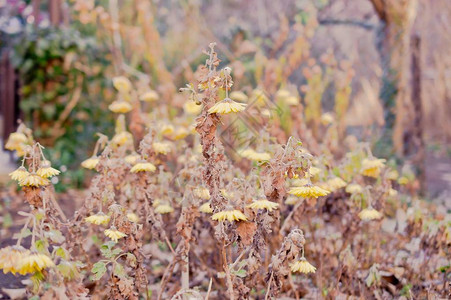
98 219
17 142
120 107
226 106
202 193
372 167
263 204
46 171
206 208
32 263
302 266
369 214
149 96
143 167
90 163
334 184
254 155
32 179
192 108
164 209
353 188
114 234
19 174
162 148
403 180
9 256
132 217
122 138
229 215
132 158
122 84
327 118
308 190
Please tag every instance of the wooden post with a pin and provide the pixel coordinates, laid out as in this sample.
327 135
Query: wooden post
8 104
55 12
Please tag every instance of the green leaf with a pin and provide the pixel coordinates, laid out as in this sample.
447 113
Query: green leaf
240 273
99 269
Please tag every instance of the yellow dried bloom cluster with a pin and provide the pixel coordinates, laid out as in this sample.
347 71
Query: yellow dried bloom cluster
17 141
239 96
122 84
369 213
143 167
308 191
263 204
46 170
132 158
190 107
120 107
122 138
161 148
229 215
19 174
132 217
206 208
149 96
17 259
254 155
333 184
302 266
354 188
114 234
202 193
285 96
226 106
164 208
372 167
98 219
90 163
34 180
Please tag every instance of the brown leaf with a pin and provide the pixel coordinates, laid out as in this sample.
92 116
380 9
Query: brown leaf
246 231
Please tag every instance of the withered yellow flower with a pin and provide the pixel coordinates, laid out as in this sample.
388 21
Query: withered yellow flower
226 106
19 174
334 184
393 175
132 158
46 170
308 190
132 217
254 155
190 107
122 84
206 208
33 262
292 100
120 107
167 129
98 219
263 204
122 138
403 180
372 167
33 179
90 163
300 182
149 96
164 209
302 266
17 142
354 188
369 214
202 193
143 167
161 148
239 96
327 118
114 234
313 171
392 192
10 256
229 215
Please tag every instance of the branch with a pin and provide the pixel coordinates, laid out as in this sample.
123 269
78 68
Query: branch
357 23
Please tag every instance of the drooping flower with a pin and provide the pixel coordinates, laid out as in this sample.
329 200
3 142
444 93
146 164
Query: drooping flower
46 170
161 148
167 129
10 256
334 184
206 208
192 108
98 219
132 217
354 188
327 118
33 179
302 266
19 174
403 180
132 158
180 133
226 106
372 167
149 96
164 209
34 262
122 138
369 214
122 84
114 234
308 190
143 167
120 107
239 96
90 163
17 141
202 193
229 215
313 171
263 204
